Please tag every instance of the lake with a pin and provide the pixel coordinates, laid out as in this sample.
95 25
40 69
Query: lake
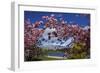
58 54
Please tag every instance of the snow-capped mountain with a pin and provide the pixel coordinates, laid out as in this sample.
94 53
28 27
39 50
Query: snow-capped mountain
86 27
50 41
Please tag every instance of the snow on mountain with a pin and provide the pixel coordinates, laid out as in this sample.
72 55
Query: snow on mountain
86 27
48 40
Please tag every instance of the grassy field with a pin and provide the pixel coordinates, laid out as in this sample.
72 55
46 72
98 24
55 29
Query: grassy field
48 58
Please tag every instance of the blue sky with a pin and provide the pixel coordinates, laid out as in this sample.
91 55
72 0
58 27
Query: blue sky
76 18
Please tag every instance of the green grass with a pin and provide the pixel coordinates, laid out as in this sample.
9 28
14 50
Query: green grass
44 58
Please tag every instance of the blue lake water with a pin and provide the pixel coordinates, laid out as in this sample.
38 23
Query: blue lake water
59 54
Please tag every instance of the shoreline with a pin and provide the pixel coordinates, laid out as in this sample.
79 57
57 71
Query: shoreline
55 57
